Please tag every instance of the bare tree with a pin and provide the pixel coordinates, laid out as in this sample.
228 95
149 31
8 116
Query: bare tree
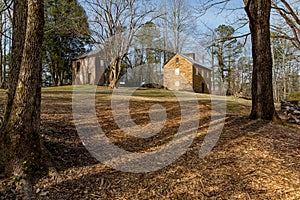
179 19
115 24
289 11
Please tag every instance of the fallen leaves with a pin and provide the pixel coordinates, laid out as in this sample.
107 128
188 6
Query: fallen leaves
252 159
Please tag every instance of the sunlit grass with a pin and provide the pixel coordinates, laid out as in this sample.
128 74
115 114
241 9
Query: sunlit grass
238 105
153 93
294 96
234 105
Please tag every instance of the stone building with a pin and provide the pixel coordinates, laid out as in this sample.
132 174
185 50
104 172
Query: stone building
182 72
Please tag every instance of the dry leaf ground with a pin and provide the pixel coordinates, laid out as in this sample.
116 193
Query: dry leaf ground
251 160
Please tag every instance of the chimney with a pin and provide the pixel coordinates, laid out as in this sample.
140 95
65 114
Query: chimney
191 55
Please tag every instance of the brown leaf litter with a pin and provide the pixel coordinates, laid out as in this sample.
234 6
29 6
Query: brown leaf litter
251 160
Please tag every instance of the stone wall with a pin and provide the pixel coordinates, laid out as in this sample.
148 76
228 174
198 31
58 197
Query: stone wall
187 78
178 81
200 82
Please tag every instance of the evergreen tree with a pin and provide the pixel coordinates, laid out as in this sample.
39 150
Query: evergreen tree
227 50
66 36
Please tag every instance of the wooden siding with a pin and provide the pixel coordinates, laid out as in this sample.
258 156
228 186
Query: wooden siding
91 71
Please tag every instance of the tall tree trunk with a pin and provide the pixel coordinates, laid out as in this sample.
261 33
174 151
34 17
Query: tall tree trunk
284 77
115 72
21 137
112 77
7 43
258 12
275 76
1 52
229 91
18 40
213 87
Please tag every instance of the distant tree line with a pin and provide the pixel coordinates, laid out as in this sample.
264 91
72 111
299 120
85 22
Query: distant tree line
232 64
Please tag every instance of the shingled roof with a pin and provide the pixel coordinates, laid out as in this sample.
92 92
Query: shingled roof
95 52
194 63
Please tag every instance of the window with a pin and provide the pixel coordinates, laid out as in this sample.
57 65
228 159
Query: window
197 71
177 60
177 72
78 67
177 84
89 78
202 70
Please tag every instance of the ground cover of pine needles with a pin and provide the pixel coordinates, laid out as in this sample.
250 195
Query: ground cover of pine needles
251 160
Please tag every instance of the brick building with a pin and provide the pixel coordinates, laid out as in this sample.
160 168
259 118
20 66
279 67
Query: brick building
182 72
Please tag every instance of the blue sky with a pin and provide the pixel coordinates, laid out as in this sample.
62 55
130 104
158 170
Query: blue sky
220 14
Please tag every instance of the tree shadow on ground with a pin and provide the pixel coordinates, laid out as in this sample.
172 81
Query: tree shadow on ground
248 162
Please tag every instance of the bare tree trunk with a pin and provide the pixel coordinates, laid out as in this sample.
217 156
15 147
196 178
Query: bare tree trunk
275 75
229 78
1 52
20 138
19 31
284 77
7 43
113 76
258 12
213 65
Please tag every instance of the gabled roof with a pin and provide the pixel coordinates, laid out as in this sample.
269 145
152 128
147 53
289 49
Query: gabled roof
194 63
95 52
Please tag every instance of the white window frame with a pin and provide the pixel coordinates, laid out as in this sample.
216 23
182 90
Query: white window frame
177 72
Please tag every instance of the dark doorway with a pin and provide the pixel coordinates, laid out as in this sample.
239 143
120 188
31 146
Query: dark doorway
203 87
